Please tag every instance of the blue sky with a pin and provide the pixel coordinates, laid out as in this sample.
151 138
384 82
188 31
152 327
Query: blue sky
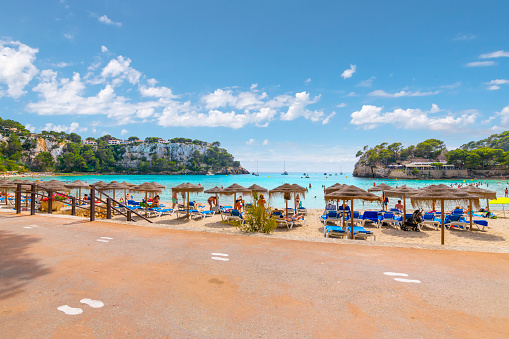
309 82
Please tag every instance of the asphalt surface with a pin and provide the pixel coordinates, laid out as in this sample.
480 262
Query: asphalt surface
165 283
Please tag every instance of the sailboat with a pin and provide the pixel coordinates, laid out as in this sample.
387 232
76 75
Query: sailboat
340 172
257 173
284 169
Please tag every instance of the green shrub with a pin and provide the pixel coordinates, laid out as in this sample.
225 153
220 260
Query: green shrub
257 220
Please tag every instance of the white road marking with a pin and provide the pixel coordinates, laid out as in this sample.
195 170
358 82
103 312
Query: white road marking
34 226
396 274
220 254
102 240
107 238
220 258
92 303
28 227
408 280
70 310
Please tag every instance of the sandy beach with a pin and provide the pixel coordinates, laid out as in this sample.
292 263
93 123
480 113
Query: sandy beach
495 238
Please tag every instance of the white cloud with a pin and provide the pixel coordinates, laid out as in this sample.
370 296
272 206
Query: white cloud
347 73
119 69
497 54
452 86
480 64
327 119
253 86
30 128
68 36
341 105
370 117
157 92
16 67
243 100
124 132
266 142
104 49
308 80
105 20
464 36
250 142
74 127
367 82
298 108
382 93
62 64
495 84
504 116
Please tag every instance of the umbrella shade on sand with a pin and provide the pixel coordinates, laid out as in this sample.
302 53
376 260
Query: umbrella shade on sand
234 189
402 192
187 188
286 191
7 185
146 187
215 190
429 195
351 193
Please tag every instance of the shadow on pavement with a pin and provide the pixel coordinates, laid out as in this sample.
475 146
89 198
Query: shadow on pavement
17 267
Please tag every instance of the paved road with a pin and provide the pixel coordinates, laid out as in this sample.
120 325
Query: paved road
164 283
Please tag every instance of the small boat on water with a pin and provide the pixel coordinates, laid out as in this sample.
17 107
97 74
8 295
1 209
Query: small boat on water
257 174
284 169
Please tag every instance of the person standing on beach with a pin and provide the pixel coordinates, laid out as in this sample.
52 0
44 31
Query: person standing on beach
212 201
174 199
506 192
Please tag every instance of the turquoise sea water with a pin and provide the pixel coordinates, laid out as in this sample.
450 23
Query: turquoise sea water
313 199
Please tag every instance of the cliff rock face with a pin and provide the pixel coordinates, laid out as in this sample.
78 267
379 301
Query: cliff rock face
177 152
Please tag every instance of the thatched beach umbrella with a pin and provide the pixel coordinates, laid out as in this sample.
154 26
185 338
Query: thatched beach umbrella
7 185
146 187
333 188
429 195
215 190
482 193
158 185
187 188
351 193
286 190
402 192
234 189
380 188
78 184
115 186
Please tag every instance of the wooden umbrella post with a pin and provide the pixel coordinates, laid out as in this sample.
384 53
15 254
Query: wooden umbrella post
146 204
187 211
404 208
351 221
470 212
344 216
442 236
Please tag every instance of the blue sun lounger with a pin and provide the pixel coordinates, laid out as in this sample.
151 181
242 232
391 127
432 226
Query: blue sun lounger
389 219
361 232
338 231
202 214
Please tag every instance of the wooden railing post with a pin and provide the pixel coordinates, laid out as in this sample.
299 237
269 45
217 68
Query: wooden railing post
50 201
92 203
32 200
17 199
108 208
73 206
129 218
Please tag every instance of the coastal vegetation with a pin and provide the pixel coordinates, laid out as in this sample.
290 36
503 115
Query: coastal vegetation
50 151
486 154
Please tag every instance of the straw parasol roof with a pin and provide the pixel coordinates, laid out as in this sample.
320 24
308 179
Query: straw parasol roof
257 188
333 188
187 187
350 192
98 184
156 184
400 192
114 185
77 184
128 184
287 188
146 187
481 192
214 190
380 187
235 188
